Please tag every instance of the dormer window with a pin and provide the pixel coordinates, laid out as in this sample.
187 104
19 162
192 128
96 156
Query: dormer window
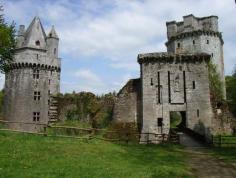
37 43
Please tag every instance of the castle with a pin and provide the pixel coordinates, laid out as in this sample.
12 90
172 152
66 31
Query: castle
172 81
33 79
176 81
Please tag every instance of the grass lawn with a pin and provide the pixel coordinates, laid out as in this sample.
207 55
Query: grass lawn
228 154
29 156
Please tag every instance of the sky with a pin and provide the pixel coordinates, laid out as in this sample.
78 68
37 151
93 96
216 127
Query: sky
100 39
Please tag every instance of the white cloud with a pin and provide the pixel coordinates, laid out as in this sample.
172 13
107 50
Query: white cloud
86 74
116 31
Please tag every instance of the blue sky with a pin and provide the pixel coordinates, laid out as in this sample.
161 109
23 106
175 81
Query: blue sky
100 39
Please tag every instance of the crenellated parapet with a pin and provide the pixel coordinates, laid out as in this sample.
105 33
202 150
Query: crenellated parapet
171 58
19 65
195 34
192 23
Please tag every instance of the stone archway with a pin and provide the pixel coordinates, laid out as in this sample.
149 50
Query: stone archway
177 120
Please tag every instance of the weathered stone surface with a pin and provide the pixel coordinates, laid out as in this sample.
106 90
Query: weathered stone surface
36 54
177 81
127 105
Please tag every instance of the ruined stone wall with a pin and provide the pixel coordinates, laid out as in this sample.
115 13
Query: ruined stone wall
127 105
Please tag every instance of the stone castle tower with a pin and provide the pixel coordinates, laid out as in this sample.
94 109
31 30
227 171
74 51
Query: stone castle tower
197 35
33 78
176 81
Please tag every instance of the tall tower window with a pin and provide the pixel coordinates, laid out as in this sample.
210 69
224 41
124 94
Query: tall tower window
207 41
178 45
36 116
55 50
194 85
193 41
37 95
198 114
151 81
212 54
36 74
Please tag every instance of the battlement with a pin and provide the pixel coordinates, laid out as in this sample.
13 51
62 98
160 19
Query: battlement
167 57
191 23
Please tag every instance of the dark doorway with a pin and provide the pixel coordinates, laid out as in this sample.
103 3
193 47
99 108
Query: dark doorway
159 124
178 120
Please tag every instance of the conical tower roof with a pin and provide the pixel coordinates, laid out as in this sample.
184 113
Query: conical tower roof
53 33
35 36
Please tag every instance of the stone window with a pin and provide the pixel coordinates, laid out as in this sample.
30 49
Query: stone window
151 81
193 41
194 85
37 43
37 56
51 72
49 102
36 74
207 41
37 95
55 50
198 113
178 45
212 54
49 92
36 116
159 122
49 81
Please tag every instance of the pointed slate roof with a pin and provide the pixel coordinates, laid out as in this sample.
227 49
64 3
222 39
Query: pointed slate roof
53 33
35 36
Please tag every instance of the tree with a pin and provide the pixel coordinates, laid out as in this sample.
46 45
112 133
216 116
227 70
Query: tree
7 43
216 86
231 92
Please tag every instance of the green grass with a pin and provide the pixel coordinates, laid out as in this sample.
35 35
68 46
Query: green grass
29 156
228 154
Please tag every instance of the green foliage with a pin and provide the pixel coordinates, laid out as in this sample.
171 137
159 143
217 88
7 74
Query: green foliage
1 102
96 110
7 43
231 92
45 157
216 86
175 119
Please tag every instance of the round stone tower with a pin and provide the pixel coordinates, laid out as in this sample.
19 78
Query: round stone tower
33 78
197 35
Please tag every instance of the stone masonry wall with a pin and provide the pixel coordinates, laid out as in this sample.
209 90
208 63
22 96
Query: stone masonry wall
127 105
167 85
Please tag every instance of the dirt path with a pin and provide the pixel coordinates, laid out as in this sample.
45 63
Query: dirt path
203 164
